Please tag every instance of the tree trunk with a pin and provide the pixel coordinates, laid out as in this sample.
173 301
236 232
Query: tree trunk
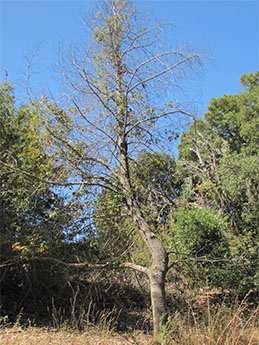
157 274
158 269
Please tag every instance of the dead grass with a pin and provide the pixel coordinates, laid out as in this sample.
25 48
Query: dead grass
220 325
39 336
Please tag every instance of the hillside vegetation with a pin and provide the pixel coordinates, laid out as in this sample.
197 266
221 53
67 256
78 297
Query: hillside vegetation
102 229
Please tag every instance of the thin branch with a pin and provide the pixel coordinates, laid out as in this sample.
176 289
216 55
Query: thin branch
160 73
156 118
76 151
97 93
10 263
139 35
143 64
199 259
86 265
92 124
62 184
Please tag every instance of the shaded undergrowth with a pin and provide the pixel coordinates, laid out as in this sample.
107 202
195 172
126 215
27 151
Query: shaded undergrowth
85 308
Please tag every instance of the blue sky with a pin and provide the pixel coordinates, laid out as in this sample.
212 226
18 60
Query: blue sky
227 29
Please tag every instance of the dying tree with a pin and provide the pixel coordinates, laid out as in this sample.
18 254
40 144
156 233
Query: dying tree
126 91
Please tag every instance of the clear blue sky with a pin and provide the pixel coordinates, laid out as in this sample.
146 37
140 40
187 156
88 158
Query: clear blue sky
227 29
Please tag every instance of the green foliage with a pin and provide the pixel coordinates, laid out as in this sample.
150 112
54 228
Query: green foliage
199 233
218 159
26 199
117 237
155 185
113 228
199 245
35 218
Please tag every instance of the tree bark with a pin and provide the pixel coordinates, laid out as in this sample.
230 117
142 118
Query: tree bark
157 271
157 274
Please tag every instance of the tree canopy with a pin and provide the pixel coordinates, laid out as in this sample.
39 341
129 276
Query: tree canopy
218 157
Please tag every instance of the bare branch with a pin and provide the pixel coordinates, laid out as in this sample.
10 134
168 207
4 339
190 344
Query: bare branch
151 118
143 34
94 125
164 71
88 266
65 184
203 259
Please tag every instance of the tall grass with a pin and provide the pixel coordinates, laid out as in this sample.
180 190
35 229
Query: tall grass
220 324
217 325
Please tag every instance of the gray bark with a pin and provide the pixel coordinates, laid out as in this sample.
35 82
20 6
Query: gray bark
157 287
157 271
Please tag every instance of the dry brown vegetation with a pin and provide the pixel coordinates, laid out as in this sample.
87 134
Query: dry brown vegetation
223 327
33 336
213 325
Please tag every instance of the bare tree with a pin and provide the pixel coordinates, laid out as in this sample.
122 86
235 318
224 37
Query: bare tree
125 91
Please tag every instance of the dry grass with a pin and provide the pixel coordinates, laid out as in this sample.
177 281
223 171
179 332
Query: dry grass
37 336
220 325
